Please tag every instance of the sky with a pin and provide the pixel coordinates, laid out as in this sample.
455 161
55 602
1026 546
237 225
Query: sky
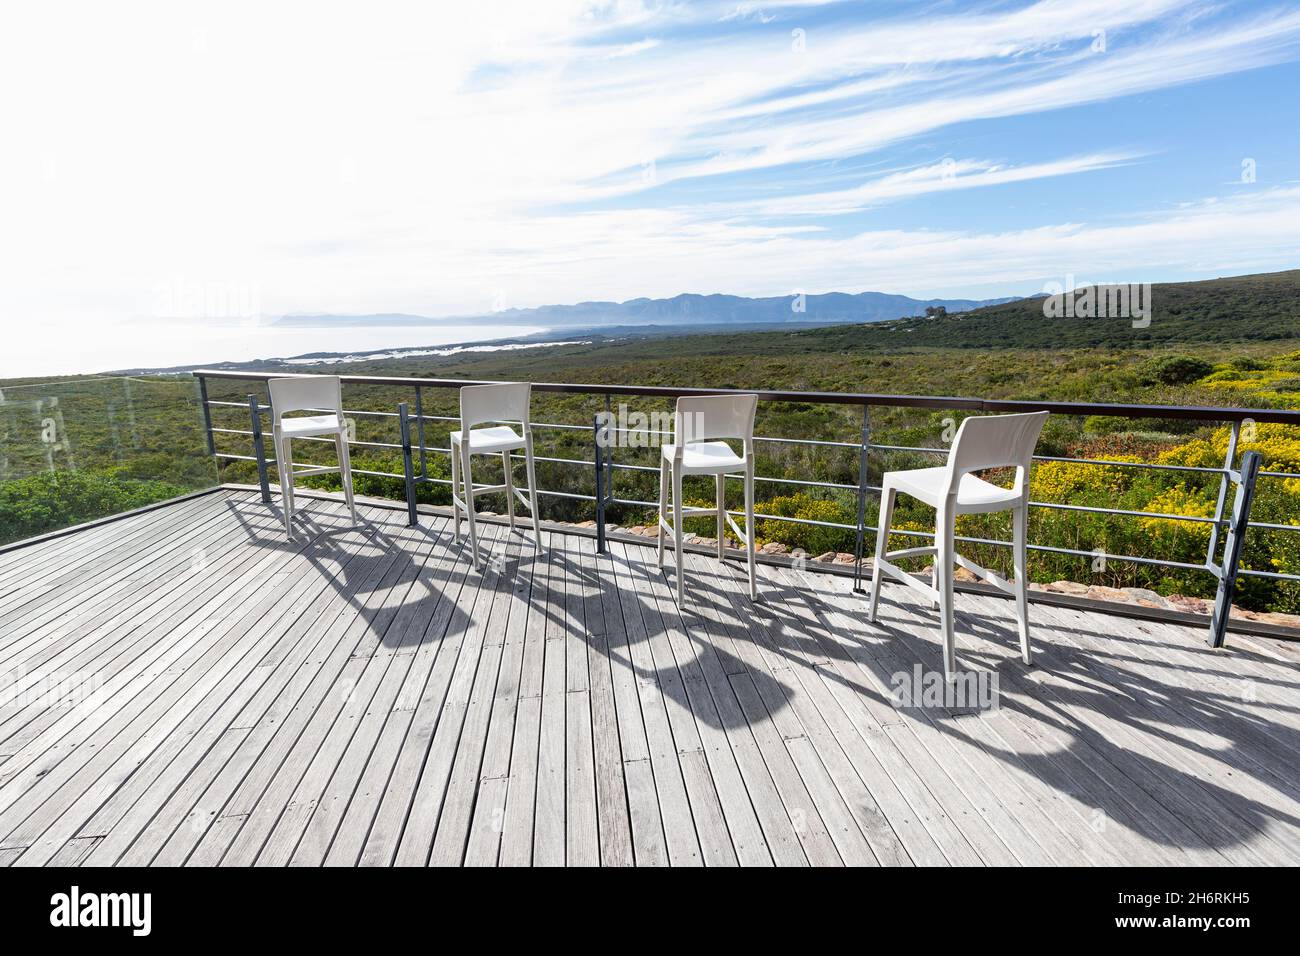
200 166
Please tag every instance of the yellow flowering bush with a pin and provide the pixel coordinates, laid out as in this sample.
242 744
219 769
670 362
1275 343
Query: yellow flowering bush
1066 480
1284 558
1277 386
1279 446
815 539
1171 535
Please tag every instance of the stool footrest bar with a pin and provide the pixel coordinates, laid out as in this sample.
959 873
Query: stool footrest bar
929 593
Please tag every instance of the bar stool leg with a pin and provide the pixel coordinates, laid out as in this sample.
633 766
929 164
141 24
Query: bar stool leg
508 468
287 457
887 496
722 519
455 486
532 486
677 534
278 442
1020 535
468 479
345 472
944 565
749 529
663 507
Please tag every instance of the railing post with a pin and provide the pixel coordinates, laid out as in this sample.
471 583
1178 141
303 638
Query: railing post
1223 493
207 415
408 469
259 451
600 434
1232 549
863 481
609 453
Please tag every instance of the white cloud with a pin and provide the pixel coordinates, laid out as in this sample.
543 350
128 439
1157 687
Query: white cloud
951 174
671 251
405 158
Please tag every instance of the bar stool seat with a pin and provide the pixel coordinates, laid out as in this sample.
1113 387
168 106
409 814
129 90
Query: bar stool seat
483 441
309 425
973 493
706 457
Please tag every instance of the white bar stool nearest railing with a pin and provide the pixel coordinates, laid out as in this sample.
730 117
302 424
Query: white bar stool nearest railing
479 404
982 442
308 393
692 452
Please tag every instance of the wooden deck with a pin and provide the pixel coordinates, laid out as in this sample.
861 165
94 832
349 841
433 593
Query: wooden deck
186 687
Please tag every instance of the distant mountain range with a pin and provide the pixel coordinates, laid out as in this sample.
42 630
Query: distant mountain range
685 309
1249 308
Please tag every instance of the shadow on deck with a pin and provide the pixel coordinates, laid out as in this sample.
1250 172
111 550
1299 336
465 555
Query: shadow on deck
186 686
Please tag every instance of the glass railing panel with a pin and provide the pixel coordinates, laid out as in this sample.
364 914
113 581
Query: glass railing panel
81 449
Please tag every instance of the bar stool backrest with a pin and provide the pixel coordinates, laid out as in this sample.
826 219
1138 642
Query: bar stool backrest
504 402
706 417
995 441
306 393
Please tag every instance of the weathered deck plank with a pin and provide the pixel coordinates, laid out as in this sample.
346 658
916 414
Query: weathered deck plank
362 695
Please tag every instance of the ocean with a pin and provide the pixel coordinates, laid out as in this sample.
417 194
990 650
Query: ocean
86 349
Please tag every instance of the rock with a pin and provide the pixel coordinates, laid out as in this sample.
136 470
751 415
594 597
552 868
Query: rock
961 574
1068 587
638 529
1100 592
844 557
775 547
1146 594
828 556
1194 605
586 524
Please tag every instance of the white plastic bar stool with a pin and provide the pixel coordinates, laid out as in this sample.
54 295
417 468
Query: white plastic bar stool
507 402
308 393
693 452
992 441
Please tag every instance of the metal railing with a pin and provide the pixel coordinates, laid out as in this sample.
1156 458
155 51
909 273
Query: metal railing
1234 517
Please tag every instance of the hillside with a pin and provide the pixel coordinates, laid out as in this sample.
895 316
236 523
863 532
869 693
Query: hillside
1252 308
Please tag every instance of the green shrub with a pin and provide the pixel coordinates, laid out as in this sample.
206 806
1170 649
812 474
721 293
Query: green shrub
384 486
1246 363
1176 370
1107 425
52 500
815 539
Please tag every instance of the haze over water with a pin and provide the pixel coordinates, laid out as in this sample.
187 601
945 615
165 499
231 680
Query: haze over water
63 351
